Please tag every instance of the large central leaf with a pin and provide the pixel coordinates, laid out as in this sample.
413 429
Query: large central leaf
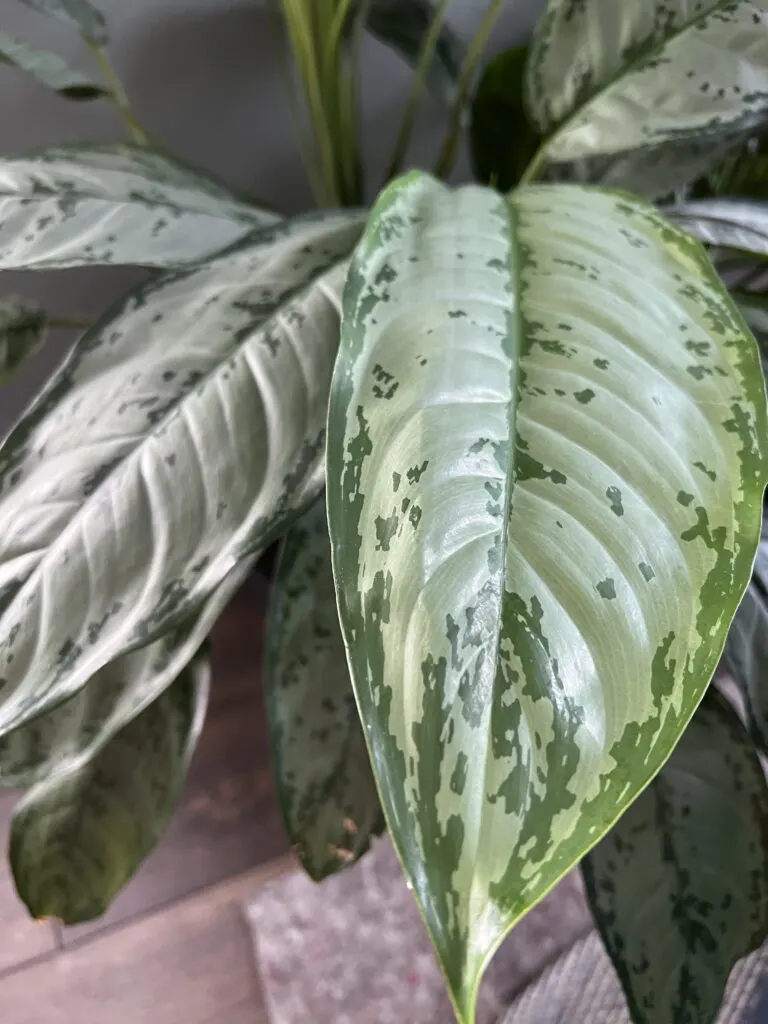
544 483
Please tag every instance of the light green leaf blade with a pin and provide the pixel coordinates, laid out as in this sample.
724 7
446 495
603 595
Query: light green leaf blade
182 435
403 25
49 70
79 835
729 223
87 19
114 204
23 327
533 603
324 779
643 94
679 887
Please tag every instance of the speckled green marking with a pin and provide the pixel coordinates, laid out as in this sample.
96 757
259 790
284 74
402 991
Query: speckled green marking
554 589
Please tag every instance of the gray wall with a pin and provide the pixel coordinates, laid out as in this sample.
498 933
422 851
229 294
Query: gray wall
205 77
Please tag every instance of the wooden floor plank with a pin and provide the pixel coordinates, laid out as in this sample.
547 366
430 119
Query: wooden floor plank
191 963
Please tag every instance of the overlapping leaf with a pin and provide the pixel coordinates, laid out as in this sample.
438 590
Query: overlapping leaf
679 887
77 205
82 15
324 778
728 223
183 433
22 332
545 465
79 835
647 94
49 69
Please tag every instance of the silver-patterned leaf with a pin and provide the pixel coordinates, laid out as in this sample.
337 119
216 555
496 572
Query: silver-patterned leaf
113 204
546 459
324 779
642 93
22 331
727 223
183 433
87 19
80 834
49 69
679 887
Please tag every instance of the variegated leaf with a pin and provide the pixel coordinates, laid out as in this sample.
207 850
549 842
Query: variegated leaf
87 19
182 435
679 887
546 456
22 332
324 779
79 205
643 93
80 834
48 69
727 223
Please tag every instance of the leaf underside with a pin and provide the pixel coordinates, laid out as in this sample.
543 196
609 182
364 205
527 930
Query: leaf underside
533 603
727 223
48 69
82 15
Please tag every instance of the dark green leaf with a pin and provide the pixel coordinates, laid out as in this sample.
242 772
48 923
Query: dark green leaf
86 18
745 173
22 332
503 140
679 887
79 835
324 777
49 69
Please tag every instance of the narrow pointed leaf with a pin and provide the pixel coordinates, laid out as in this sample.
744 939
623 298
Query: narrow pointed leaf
22 332
403 25
49 70
81 205
181 436
644 92
87 19
79 835
679 887
729 223
503 140
324 779
533 601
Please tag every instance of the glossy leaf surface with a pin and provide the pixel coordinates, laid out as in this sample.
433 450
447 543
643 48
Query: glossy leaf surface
647 88
79 205
182 435
679 887
48 69
79 835
533 603
84 16
323 773
22 332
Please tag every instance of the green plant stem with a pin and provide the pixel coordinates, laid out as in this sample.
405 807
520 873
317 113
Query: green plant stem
118 97
533 169
447 157
409 117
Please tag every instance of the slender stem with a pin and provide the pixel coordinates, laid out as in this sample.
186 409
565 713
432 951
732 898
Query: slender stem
532 171
68 323
118 97
447 155
422 70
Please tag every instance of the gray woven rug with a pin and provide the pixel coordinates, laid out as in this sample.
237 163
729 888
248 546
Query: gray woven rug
354 951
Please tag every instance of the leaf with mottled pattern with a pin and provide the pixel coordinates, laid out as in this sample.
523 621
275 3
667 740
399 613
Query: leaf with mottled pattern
87 19
78 205
22 332
80 834
183 434
324 780
727 223
679 886
49 70
644 93
546 457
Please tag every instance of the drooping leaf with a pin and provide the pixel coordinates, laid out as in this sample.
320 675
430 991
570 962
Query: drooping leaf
182 435
87 19
22 332
503 140
403 26
679 886
49 69
729 223
79 835
323 773
646 94
533 598
79 205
